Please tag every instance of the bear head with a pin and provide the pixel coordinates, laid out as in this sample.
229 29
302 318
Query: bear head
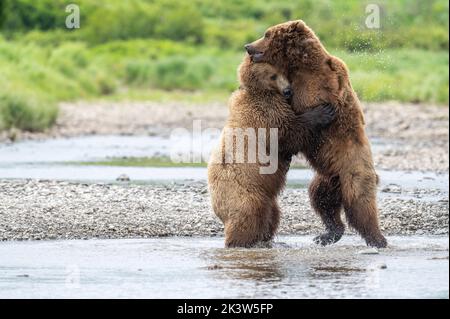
289 46
263 77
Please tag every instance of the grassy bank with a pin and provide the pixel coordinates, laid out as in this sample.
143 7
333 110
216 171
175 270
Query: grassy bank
190 50
75 71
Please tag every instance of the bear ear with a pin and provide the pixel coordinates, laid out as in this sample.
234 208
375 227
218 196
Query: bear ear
293 27
297 26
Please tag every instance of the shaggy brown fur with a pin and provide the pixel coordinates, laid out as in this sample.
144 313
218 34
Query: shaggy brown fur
243 198
345 171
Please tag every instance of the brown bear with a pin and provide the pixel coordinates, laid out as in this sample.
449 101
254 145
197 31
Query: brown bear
243 196
343 160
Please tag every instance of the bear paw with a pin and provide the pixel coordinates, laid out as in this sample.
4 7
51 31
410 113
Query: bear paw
328 238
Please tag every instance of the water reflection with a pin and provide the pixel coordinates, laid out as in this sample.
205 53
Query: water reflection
255 264
414 267
303 270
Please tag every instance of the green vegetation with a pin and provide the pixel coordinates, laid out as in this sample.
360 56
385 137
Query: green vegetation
155 49
229 24
26 112
408 75
141 162
162 161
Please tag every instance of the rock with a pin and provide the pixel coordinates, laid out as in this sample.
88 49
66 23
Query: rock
123 178
392 188
214 267
299 227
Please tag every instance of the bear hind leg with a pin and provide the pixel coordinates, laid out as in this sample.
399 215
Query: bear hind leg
250 226
326 199
359 192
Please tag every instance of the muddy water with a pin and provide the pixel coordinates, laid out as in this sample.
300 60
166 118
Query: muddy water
413 267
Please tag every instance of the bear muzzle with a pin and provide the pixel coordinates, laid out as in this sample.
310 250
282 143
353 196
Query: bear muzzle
255 55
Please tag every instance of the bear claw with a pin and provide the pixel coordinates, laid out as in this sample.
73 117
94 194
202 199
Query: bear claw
380 242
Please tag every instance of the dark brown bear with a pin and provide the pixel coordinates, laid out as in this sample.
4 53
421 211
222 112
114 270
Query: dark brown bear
345 176
242 196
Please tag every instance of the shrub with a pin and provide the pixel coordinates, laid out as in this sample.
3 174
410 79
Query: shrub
27 113
133 19
138 72
405 23
123 20
179 73
29 14
180 23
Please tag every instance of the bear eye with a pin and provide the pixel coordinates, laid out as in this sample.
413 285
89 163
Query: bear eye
273 77
267 34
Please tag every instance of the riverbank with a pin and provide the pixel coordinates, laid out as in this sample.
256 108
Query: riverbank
407 137
416 137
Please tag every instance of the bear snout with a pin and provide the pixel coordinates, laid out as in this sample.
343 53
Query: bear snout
249 48
254 54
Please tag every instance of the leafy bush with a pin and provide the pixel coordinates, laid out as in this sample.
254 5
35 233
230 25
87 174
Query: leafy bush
138 72
179 73
28 14
112 22
229 24
26 112
180 22
197 45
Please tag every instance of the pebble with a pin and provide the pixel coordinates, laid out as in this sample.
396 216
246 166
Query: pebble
214 267
137 211
123 178
392 188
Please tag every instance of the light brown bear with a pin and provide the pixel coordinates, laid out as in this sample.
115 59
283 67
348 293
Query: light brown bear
244 197
343 161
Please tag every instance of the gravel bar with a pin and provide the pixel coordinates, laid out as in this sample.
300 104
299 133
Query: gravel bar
39 210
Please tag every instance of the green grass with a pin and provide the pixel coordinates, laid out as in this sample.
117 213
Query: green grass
28 113
164 96
146 162
34 78
140 162
168 50
229 24
404 75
